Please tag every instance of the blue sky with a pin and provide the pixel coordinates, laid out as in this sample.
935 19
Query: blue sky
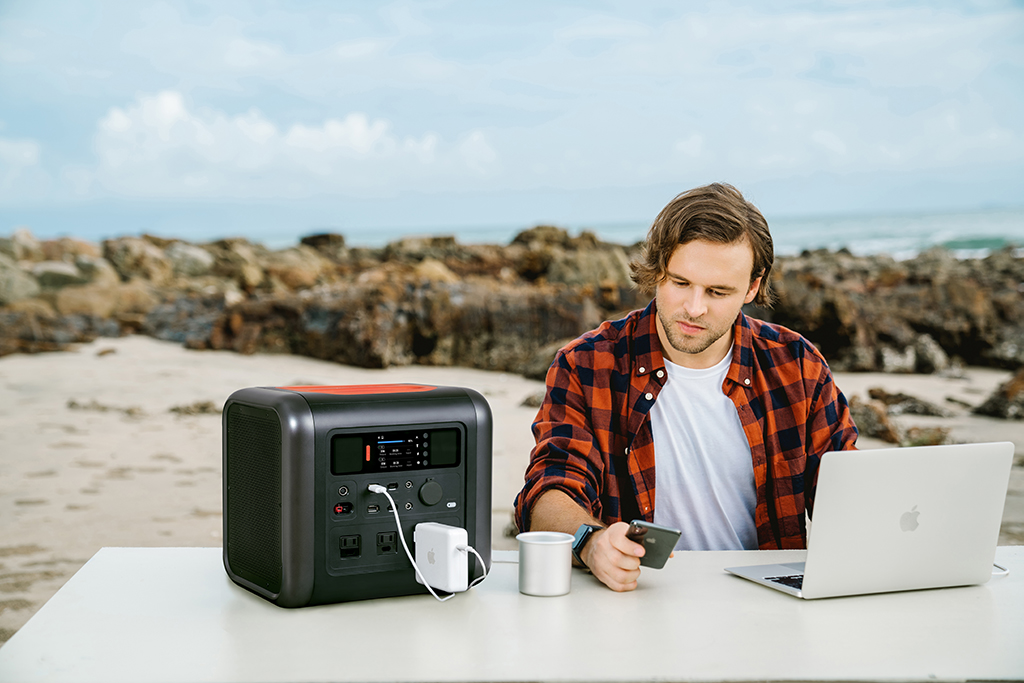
278 119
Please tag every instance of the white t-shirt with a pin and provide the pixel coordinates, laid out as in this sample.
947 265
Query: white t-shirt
705 475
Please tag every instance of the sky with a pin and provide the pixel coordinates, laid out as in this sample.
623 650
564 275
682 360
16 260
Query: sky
278 119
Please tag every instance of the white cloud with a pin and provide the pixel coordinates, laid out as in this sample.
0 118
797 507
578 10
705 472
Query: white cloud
477 153
21 174
160 146
421 96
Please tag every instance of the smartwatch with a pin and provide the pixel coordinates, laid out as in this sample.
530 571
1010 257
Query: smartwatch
583 535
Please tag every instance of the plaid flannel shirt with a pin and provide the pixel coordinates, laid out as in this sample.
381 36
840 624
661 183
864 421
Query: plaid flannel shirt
594 439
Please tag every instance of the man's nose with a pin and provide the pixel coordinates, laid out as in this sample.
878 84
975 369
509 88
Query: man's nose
694 303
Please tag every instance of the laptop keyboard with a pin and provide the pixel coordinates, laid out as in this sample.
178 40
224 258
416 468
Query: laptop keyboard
794 581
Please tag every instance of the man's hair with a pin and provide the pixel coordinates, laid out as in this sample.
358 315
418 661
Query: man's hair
714 213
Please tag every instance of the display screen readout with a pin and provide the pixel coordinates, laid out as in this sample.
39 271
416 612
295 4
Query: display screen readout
411 449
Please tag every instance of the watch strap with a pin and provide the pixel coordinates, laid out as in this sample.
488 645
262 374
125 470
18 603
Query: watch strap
583 534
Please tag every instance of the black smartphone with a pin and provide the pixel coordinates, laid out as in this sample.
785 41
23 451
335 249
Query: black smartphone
657 540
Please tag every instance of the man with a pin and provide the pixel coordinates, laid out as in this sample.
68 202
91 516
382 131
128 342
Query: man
731 413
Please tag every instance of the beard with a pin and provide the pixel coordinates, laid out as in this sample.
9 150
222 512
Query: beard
687 343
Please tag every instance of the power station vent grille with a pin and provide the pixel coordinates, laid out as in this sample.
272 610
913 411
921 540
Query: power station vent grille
253 492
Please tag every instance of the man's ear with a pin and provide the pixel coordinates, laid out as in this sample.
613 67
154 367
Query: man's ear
752 292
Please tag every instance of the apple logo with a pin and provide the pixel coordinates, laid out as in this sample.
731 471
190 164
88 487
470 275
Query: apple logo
430 553
908 521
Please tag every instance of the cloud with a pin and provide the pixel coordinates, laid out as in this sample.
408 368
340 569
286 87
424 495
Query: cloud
378 99
159 146
21 174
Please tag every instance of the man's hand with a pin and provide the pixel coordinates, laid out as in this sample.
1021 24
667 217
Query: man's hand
613 558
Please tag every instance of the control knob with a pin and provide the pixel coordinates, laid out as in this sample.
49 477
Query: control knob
431 493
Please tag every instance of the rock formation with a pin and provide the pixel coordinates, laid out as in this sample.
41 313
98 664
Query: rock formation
432 300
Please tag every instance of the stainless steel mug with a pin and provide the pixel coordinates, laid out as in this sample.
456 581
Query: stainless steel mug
545 563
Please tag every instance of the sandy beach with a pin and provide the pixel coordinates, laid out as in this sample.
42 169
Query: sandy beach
118 443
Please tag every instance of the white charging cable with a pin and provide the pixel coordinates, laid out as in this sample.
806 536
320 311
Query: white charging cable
377 488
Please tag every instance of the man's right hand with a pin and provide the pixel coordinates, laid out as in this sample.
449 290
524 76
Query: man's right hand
613 558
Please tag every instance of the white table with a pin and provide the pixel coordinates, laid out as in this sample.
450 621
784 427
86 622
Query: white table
171 614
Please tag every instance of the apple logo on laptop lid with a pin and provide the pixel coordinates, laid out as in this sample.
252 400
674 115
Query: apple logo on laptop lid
908 520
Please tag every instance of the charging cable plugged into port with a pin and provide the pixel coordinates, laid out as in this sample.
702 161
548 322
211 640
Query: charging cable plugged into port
443 550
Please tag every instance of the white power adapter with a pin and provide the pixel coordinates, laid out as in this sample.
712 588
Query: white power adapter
440 561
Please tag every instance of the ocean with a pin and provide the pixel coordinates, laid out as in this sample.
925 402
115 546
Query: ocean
968 233
903 235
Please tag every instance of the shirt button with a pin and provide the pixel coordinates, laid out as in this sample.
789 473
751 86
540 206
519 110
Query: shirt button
747 381
648 396
642 369
661 373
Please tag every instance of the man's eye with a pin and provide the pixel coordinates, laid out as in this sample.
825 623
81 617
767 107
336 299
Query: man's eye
716 293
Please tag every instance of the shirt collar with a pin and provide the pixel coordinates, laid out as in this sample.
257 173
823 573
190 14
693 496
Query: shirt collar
741 370
647 356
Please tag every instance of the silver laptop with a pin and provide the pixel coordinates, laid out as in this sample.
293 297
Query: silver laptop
898 519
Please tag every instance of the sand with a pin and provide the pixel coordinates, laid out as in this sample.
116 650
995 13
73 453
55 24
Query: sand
92 453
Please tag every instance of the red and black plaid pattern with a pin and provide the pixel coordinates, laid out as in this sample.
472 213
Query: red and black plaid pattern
594 439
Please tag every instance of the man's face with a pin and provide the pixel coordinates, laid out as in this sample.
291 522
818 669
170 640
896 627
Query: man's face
705 286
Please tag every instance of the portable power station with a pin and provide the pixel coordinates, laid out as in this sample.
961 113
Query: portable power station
300 525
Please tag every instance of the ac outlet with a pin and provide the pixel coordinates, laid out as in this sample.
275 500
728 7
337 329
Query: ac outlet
350 546
387 543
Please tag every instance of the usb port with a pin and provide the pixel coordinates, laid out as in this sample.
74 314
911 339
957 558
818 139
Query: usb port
393 486
373 509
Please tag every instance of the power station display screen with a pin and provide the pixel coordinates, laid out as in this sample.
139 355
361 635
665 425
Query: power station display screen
413 449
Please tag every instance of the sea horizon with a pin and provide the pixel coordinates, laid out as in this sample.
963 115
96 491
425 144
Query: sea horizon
901 234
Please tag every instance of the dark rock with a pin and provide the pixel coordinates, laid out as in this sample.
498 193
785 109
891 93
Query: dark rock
97 269
925 436
871 313
31 332
533 400
904 404
135 257
57 274
189 260
1007 401
543 236
69 249
238 260
434 301
187 320
15 283
23 246
298 268
538 365
928 356
872 419
398 319
328 241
